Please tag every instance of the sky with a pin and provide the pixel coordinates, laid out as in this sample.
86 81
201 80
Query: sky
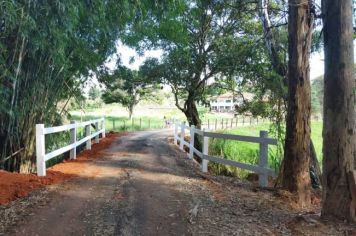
127 53
316 65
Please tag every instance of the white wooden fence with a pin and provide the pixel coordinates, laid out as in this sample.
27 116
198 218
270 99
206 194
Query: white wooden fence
41 131
262 169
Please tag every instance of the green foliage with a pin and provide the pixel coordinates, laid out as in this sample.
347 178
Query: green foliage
121 123
248 152
94 92
127 87
202 41
317 95
48 48
241 151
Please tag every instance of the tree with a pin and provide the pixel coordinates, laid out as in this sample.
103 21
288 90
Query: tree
339 132
297 142
48 48
126 87
272 15
272 35
94 92
213 38
199 43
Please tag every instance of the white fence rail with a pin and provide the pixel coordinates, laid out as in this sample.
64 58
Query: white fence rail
41 131
262 169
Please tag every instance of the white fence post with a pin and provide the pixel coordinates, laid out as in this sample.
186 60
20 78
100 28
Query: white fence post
103 127
96 130
40 150
41 131
87 133
182 134
175 132
263 162
191 146
205 152
73 139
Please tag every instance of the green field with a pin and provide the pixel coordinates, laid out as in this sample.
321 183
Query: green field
248 152
114 123
145 110
145 116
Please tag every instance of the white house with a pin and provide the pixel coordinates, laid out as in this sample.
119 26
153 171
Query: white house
227 102
223 103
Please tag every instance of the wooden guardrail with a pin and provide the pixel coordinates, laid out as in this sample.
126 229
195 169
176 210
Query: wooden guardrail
41 131
262 169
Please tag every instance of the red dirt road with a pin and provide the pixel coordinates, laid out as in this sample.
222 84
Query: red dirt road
134 188
13 185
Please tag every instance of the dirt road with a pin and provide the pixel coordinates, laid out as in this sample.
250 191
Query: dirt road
138 188
144 186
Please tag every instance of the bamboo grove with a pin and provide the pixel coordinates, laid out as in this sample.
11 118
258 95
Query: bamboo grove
47 49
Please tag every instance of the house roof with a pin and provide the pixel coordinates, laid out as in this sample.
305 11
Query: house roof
229 95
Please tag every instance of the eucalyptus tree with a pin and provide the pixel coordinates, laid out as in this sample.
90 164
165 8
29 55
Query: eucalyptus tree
47 49
339 130
297 143
299 18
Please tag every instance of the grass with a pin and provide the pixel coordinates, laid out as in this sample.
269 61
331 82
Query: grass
115 123
116 110
155 112
248 152
145 117
125 124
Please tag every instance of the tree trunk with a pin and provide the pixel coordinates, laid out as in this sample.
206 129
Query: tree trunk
339 138
271 44
297 144
130 108
314 169
192 114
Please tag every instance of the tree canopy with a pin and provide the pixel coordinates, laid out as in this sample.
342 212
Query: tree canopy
127 87
208 42
94 92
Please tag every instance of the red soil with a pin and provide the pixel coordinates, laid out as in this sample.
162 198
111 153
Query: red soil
15 185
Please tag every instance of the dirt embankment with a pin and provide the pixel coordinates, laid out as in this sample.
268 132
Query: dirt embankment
15 185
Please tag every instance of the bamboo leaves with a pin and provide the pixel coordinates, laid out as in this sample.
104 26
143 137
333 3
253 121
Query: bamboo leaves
47 48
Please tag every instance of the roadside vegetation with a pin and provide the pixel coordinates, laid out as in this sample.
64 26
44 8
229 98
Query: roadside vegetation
248 152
